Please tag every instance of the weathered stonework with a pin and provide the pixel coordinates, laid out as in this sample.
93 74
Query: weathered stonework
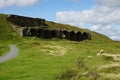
36 27
26 21
61 34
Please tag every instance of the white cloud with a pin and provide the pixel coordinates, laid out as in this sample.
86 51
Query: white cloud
71 17
21 3
103 17
97 15
108 30
109 3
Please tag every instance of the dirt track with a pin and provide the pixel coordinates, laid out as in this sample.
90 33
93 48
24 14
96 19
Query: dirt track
11 54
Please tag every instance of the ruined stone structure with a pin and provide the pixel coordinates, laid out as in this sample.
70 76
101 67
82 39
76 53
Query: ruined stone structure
26 21
37 27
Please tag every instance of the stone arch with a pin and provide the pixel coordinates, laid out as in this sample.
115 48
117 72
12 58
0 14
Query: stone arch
73 36
85 35
33 32
60 34
47 34
40 33
66 34
24 32
79 36
54 33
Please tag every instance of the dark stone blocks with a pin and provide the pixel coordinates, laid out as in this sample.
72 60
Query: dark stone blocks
61 34
41 33
54 33
25 21
73 36
47 34
66 34
79 36
36 27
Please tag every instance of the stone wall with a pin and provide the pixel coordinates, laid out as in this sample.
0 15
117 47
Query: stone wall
36 27
25 21
61 34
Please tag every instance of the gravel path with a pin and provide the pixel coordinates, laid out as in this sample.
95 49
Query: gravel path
11 54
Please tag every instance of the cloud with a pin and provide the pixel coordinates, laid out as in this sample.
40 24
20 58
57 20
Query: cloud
103 17
107 30
20 3
71 17
109 3
97 15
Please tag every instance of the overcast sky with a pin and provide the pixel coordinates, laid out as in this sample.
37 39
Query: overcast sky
102 16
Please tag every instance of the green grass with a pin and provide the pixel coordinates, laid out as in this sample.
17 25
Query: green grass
115 70
35 63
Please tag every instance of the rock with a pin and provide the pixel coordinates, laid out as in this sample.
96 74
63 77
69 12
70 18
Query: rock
101 51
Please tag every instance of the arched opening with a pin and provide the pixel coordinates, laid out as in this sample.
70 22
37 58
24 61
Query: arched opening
66 34
73 36
79 36
33 32
40 33
54 33
25 32
85 35
47 34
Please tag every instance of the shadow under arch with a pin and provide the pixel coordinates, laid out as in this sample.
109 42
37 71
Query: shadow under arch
66 34
73 36
40 33
47 34
54 33
85 35
79 36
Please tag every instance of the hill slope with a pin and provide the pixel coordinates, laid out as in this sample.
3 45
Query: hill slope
44 59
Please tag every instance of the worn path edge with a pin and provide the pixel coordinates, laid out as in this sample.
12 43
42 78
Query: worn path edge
10 55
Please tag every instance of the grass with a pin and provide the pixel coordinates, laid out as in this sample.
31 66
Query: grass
35 62
3 49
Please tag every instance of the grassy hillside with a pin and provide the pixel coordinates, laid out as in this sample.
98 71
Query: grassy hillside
44 59
95 36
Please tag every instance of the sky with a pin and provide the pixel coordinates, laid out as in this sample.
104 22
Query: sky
102 16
